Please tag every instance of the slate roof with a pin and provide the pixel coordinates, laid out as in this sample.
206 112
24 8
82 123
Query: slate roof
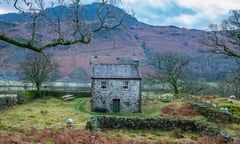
116 71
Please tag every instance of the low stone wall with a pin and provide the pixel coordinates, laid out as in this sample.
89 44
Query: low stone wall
10 100
99 122
58 94
27 96
214 114
7 101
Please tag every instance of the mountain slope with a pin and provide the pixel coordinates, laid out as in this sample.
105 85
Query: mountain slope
136 40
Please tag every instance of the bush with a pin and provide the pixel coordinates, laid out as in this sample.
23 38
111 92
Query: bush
25 97
93 124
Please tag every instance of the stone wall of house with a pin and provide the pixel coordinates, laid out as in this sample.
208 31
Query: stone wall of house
130 99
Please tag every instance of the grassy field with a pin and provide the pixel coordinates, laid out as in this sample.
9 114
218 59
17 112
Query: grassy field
43 113
51 113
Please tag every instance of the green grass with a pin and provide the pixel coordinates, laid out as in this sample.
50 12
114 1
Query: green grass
151 109
232 104
233 129
50 112
43 113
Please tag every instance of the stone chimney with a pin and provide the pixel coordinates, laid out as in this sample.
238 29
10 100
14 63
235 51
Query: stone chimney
128 60
136 62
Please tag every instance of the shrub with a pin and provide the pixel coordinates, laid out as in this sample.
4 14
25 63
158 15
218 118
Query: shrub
24 97
93 124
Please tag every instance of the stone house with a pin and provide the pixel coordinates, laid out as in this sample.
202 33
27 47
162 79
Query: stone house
116 87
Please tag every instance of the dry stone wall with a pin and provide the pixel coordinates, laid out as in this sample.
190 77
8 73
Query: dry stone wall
8 101
214 114
100 122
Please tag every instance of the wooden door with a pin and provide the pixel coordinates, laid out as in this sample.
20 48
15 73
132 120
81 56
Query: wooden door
116 105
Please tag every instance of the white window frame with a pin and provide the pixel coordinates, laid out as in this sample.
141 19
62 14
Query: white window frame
125 85
103 84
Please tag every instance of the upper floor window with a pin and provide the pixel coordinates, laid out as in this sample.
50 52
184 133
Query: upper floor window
104 85
125 85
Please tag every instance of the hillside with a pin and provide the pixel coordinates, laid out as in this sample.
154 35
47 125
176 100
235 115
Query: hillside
136 40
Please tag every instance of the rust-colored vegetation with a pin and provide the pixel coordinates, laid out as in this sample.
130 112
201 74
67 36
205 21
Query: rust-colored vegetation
76 136
63 136
185 110
209 97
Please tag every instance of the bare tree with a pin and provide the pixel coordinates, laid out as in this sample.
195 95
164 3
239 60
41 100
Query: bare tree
193 86
169 68
4 58
36 68
63 30
225 37
229 87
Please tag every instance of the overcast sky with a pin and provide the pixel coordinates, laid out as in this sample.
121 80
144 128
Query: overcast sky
197 14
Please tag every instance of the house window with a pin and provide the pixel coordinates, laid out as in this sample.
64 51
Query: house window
104 85
125 85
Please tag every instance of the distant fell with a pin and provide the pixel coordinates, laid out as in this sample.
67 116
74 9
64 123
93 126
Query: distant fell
86 13
136 40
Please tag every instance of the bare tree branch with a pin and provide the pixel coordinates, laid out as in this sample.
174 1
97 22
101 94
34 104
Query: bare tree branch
225 40
78 31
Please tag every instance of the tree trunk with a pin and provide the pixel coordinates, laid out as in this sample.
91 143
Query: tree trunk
176 91
38 91
175 87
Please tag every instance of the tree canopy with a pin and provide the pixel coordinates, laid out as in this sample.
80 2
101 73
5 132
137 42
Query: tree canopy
169 68
36 68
